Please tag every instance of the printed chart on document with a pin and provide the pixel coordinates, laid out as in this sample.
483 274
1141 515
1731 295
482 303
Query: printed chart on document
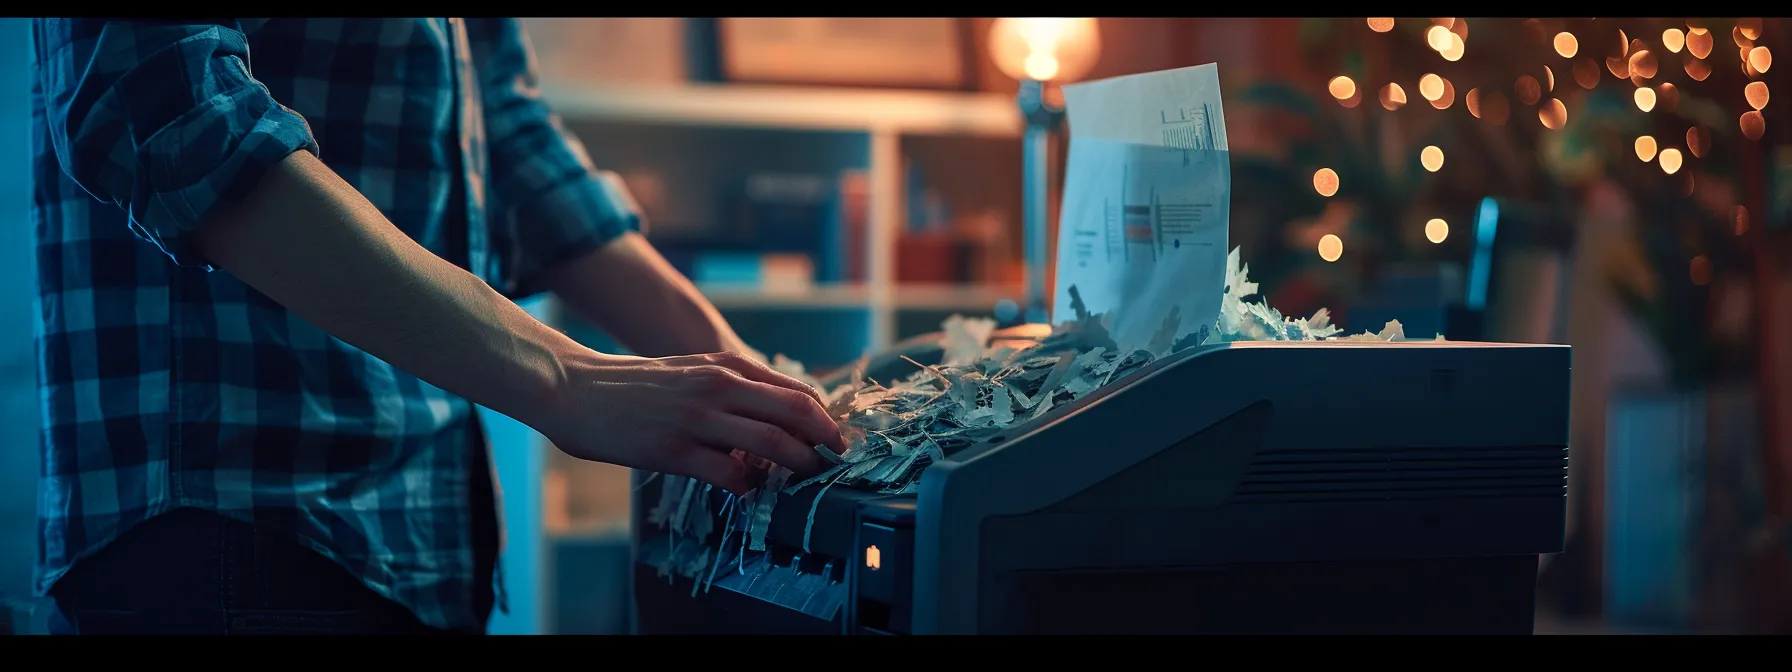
1146 222
1146 196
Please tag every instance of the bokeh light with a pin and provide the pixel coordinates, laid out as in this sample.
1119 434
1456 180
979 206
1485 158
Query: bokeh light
1645 99
1698 140
1673 39
1325 181
1670 160
1331 247
1432 158
1431 86
1645 148
1381 25
1341 87
1566 45
1741 220
1757 95
1437 230
1392 96
1760 58
1753 124
1553 114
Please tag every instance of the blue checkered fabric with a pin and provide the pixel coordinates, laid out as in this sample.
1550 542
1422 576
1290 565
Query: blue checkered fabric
167 384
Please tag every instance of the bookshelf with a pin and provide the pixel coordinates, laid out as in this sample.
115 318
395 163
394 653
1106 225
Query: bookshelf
882 117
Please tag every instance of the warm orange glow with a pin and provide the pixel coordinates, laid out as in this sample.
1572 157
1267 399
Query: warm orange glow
1473 101
1750 28
1697 140
1586 73
1645 148
1549 79
1761 58
1699 44
1439 38
1643 64
1667 97
1670 160
1673 39
1381 25
1432 158
1696 27
1700 270
1739 38
1342 88
1753 124
874 559
1325 181
1698 70
1528 89
1449 95
1645 99
1566 45
1437 230
1331 247
1045 49
1431 86
1553 114
1619 67
1756 93
1454 52
1741 220
1392 96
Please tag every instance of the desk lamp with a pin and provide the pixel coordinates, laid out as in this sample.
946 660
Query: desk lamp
1039 52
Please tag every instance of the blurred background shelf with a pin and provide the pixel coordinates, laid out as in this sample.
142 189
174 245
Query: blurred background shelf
919 297
791 108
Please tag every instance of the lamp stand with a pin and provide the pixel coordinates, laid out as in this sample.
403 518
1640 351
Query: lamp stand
1042 119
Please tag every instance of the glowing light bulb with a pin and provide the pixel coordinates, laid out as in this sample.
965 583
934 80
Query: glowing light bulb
1645 148
1045 49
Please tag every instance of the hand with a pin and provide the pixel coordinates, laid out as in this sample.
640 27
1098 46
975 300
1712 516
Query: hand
718 418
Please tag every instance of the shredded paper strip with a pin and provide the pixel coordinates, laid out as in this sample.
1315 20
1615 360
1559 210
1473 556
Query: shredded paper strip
896 429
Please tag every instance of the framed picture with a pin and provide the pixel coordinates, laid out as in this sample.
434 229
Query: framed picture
927 53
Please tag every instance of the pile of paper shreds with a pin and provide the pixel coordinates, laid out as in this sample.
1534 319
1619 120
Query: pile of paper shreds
895 429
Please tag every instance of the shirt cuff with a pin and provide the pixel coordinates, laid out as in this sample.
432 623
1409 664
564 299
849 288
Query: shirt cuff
213 156
569 221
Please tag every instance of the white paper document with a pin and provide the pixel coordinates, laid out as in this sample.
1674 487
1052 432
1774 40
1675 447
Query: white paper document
1147 194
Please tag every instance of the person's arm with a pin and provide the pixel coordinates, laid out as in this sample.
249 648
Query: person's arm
572 229
165 121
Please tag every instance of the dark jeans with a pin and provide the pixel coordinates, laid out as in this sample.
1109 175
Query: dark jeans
195 572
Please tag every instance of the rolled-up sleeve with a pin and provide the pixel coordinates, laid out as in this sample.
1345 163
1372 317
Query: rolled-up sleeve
551 204
162 119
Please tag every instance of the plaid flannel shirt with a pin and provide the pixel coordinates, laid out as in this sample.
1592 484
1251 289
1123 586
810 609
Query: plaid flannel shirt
165 384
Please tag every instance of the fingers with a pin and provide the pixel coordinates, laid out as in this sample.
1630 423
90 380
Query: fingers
797 414
716 468
726 431
755 371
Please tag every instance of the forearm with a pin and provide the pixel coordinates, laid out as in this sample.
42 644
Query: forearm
309 241
627 289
